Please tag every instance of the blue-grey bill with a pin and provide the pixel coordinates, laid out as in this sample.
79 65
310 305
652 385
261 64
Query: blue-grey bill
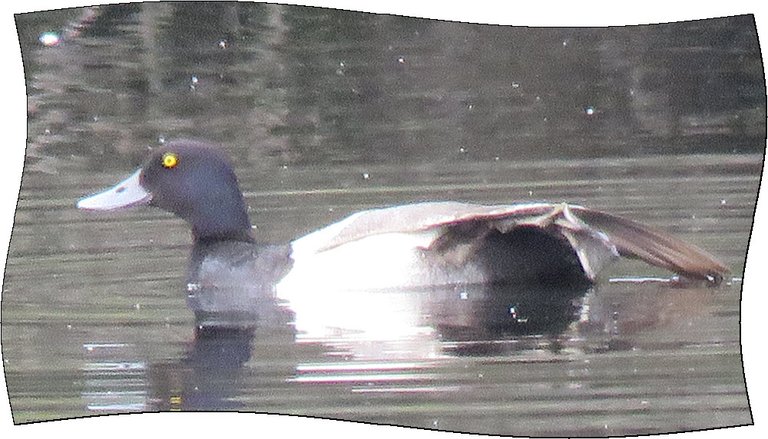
127 193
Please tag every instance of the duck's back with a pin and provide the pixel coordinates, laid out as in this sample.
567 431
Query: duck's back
448 243
433 244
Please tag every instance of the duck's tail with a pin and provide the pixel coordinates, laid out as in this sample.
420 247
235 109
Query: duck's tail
656 247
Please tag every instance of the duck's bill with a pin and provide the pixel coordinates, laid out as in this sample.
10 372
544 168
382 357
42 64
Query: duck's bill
127 193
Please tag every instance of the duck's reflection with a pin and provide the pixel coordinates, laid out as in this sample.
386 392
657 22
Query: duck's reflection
402 323
420 324
210 375
208 378
396 340
384 337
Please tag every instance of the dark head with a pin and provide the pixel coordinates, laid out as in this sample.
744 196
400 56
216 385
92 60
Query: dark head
192 179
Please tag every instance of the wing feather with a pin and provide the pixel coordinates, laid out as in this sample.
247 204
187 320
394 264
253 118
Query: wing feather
636 240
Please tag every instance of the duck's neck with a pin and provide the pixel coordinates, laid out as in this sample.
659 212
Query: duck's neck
223 218
228 225
200 238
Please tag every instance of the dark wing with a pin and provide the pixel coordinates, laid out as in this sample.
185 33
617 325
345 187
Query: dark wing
636 240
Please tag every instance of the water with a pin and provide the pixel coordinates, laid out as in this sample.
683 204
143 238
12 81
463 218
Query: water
329 112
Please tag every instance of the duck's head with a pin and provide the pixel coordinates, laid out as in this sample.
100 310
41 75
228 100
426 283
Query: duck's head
194 180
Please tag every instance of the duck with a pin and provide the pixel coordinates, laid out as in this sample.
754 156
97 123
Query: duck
414 245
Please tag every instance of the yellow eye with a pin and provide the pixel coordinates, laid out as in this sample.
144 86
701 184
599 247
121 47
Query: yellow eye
170 160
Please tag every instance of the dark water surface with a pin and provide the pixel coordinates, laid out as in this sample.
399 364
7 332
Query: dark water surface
329 112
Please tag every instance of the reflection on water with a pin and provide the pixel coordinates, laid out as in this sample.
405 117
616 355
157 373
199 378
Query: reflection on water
110 363
326 113
391 341
417 324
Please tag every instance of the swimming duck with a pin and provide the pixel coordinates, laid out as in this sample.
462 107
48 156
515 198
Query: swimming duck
407 246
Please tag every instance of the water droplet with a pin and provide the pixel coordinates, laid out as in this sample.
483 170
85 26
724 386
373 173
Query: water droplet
589 110
49 39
